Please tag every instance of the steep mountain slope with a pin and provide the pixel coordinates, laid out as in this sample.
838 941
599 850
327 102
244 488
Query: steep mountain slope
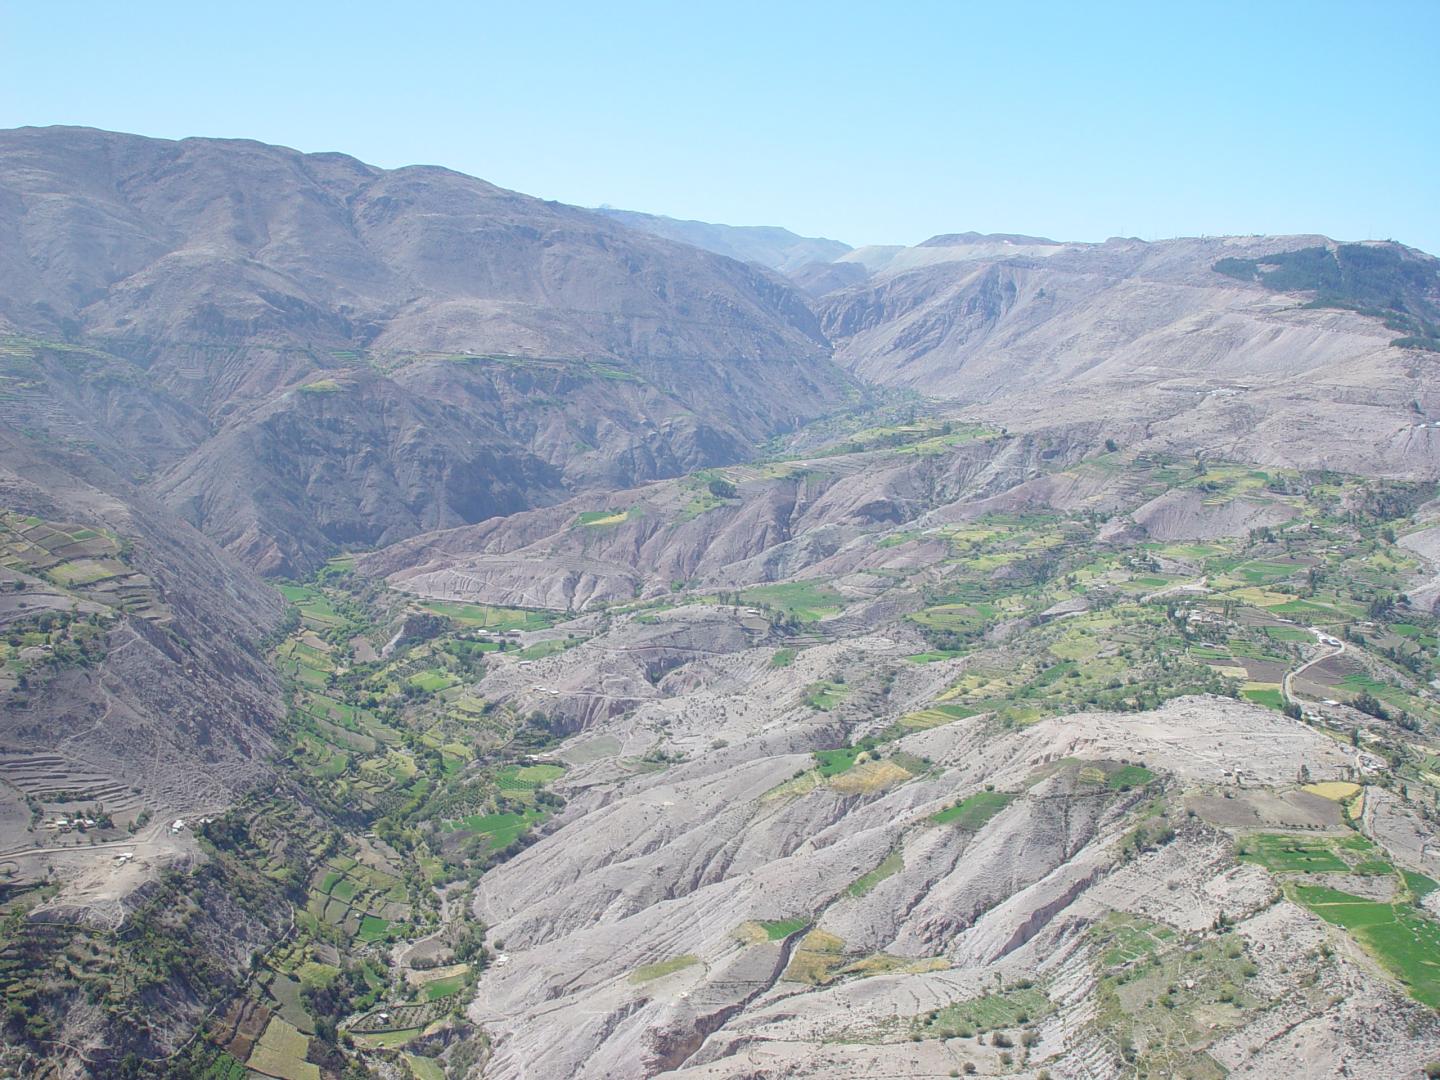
480 339
136 687
1141 334
780 249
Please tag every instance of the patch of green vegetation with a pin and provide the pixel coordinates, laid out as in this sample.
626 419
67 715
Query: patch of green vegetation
651 972
991 1012
597 518
1291 634
443 988
842 758
321 386
542 649
892 864
1131 937
491 618
1405 943
314 605
806 601
526 778
1378 281
1419 885
780 929
783 658
389 1040
930 656
972 812
1269 696
825 695
433 680
502 828
1127 777
1163 997
1286 853
373 928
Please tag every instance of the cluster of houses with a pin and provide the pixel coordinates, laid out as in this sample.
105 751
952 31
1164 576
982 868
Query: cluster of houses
65 825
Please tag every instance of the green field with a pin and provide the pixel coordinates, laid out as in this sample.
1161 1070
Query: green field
1129 776
443 988
527 777
1290 634
1264 695
931 656
1405 942
1284 853
491 618
373 928
841 759
433 680
542 649
650 972
890 865
807 601
1419 885
825 695
595 518
501 828
314 605
779 929
972 812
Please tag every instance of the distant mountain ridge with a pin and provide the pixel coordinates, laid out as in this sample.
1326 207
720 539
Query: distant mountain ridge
780 249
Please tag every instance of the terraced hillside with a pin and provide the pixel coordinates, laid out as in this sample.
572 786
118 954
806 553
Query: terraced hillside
1080 776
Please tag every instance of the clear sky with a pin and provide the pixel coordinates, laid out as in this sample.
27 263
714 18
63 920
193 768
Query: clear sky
868 122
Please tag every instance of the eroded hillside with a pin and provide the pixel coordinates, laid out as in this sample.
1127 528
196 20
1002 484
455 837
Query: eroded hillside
857 759
302 352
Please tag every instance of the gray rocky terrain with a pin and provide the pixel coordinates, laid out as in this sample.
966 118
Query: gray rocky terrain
997 656
248 305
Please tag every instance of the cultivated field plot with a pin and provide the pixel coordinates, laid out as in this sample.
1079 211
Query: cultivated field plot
1401 937
499 829
86 562
992 1012
360 900
658 970
401 1018
1170 996
281 1053
1288 853
315 607
1405 942
1297 809
485 617
972 812
805 601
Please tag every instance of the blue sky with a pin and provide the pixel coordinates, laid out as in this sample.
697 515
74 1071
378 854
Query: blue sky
1077 121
